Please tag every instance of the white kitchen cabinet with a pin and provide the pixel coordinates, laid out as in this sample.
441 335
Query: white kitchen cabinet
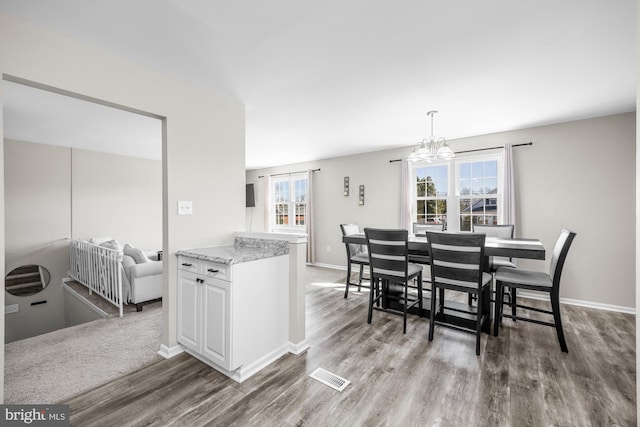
234 317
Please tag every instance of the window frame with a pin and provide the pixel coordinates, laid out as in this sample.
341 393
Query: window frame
499 184
414 192
453 188
291 203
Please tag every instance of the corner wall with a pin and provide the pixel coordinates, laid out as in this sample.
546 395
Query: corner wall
578 175
203 146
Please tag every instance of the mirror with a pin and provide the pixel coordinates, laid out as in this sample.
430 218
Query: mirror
26 280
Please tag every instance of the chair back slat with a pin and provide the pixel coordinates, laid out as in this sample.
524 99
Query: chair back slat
353 249
559 255
420 228
456 258
502 231
388 253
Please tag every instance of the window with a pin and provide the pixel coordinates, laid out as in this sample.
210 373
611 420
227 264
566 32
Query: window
432 190
289 198
458 192
477 191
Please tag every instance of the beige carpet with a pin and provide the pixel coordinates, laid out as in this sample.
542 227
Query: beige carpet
53 367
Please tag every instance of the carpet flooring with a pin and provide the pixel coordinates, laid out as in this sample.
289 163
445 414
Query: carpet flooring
53 367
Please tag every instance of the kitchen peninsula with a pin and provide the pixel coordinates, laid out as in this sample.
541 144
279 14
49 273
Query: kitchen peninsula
233 304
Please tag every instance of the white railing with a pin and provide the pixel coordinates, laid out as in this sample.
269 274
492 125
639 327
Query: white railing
97 268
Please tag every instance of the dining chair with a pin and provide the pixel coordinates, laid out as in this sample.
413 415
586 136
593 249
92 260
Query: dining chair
420 229
537 281
356 254
391 272
457 264
502 231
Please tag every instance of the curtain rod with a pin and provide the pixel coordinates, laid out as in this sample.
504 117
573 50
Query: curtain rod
289 173
478 149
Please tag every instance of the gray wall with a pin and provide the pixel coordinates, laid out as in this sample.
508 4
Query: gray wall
117 196
203 140
579 175
37 222
76 310
52 193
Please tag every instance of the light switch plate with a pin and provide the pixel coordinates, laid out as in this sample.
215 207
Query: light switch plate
185 207
13 308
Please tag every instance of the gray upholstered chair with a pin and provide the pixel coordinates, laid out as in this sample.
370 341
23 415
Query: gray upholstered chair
501 231
390 267
356 254
457 264
536 281
495 262
419 229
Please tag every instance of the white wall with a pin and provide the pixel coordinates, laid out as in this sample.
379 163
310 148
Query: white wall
117 196
76 310
37 206
203 146
579 175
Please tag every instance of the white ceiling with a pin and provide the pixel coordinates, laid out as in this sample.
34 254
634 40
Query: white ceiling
334 77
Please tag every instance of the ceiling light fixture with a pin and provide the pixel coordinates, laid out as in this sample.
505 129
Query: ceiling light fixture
431 149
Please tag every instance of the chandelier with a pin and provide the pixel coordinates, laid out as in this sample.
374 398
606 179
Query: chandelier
431 149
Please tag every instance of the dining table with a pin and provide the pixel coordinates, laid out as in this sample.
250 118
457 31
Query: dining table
524 248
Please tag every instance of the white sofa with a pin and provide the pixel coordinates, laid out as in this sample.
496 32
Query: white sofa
145 279
141 272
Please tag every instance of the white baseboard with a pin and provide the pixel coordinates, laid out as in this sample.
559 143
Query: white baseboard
331 266
569 301
243 372
581 303
169 352
297 348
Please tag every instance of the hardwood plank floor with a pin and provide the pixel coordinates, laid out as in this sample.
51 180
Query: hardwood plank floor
521 378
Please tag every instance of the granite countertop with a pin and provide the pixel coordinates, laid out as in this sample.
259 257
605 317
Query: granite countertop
244 249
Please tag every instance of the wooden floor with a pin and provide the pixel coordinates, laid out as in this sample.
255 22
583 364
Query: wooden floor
521 378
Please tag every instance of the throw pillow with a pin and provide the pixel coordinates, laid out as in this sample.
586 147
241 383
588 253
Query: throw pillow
112 244
138 256
98 240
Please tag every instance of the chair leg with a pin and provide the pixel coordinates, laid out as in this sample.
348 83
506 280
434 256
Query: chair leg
478 322
513 303
420 294
374 283
346 288
360 276
497 311
470 299
555 306
406 302
432 314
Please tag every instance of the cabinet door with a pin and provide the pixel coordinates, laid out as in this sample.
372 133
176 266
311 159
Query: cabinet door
188 311
216 344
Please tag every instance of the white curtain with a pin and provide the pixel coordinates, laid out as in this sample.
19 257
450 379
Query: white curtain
405 195
509 199
309 223
267 204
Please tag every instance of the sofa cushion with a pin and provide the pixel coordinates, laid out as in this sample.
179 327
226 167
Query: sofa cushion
138 256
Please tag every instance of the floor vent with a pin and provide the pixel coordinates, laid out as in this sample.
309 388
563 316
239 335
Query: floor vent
327 378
